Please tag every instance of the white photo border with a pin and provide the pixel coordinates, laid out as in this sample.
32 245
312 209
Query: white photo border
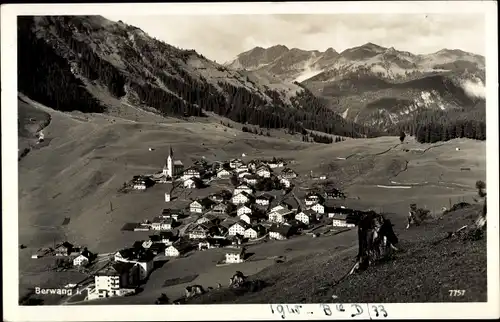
14 312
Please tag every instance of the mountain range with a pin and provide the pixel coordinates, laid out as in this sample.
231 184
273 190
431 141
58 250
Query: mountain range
374 85
92 64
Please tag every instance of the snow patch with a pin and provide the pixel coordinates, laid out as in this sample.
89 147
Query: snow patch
344 114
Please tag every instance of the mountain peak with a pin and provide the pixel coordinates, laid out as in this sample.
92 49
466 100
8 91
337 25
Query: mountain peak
371 45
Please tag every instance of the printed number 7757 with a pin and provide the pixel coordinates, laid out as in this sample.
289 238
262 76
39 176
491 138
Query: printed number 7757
456 292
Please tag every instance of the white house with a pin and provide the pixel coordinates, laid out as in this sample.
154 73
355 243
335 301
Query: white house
306 216
160 223
238 228
199 206
243 174
241 198
193 183
235 163
144 261
80 260
318 208
246 218
198 232
264 199
285 182
251 179
221 208
167 197
242 188
279 232
276 208
243 210
312 199
280 216
172 251
235 256
263 172
254 232
288 173
223 174
242 168
340 220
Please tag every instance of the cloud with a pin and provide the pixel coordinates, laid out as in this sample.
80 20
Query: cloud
475 88
222 37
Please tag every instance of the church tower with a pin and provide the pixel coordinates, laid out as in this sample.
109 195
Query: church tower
170 163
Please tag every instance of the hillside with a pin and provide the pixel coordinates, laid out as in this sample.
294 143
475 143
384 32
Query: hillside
91 64
375 86
425 269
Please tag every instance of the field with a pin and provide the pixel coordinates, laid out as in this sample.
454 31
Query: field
89 157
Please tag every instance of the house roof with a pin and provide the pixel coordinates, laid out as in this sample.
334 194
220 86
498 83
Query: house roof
287 170
265 196
117 268
66 245
308 212
281 229
242 223
338 216
246 194
154 238
178 162
166 234
235 251
291 202
86 253
228 222
281 211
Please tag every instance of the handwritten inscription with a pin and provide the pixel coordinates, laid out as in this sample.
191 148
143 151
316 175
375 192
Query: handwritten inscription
285 310
379 310
456 292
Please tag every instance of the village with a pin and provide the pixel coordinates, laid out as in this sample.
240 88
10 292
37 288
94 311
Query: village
245 203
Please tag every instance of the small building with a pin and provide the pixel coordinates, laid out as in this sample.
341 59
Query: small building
217 197
238 228
251 179
83 259
160 223
235 163
290 203
175 214
242 188
223 174
288 173
306 216
280 232
167 237
285 182
143 258
242 198
243 210
221 208
172 251
142 182
246 218
264 199
167 197
193 183
280 216
241 169
263 172
276 208
254 232
276 164
318 208
191 173
208 218
313 198
64 249
199 206
234 256
243 174
334 194
340 220
116 280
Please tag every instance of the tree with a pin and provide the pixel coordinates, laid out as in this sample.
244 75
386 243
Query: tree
234 180
480 185
402 136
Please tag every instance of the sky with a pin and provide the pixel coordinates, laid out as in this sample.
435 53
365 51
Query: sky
223 37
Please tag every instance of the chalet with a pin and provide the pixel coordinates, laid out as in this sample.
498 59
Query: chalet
340 220
191 173
193 183
221 208
235 255
242 188
264 199
142 182
280 232
306 216
251 179
236 240
333 211
201 231
167 237
243 210
276 164
143 258
157 248
171 213
208 218
83 259
242 168
238 228
263 172
159 223
235 163
64 249
288 173
285 182
242 198
254 232
276 208
318 208
246 218
334 194
252 165
280 216
313 198
116 280
199 206
176 250
223 174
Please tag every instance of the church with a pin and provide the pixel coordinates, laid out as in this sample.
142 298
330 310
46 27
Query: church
172 168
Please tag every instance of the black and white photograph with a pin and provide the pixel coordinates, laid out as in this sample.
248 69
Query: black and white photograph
307 161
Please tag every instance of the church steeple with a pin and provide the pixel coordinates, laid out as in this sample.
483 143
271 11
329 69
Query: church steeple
171 153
